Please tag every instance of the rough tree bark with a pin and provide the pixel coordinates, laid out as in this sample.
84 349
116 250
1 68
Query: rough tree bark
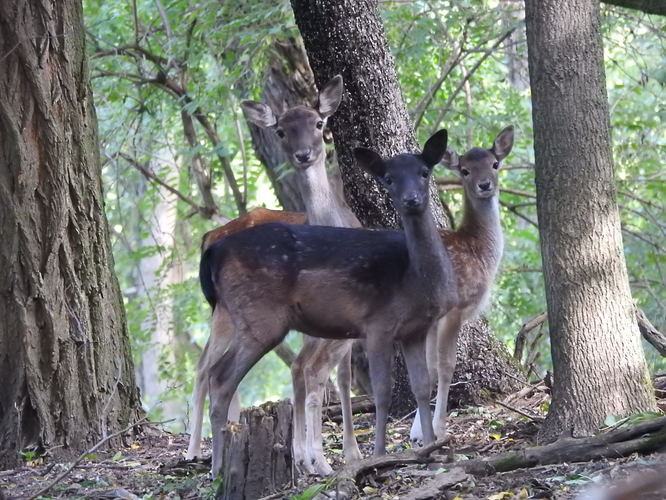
598 362
347 37
66 371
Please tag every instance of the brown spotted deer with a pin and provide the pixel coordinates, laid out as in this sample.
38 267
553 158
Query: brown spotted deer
475 249
335 283
253 218
300 130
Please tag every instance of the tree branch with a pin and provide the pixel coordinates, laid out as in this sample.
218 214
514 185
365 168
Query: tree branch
648 6
650 333
205 212
473 69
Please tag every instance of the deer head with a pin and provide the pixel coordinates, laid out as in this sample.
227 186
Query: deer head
478 167
301 128
406 176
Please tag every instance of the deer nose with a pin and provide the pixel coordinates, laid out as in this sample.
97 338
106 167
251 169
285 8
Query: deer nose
485 185
411 201
303 155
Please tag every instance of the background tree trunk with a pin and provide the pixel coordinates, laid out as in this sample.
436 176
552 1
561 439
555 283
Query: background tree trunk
598 362
66 371
347 37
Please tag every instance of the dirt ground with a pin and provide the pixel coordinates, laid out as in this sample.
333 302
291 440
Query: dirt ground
153 466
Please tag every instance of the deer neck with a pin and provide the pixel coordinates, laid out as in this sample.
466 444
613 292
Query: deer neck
429 263
322 205
481 221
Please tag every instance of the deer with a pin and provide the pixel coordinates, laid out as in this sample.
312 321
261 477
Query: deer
252 218
475 248
300 130
334 283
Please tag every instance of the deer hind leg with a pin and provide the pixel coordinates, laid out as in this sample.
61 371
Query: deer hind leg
298 381
218 327
380 353
232 354
415 359
349 444
416 432
200 393
447 340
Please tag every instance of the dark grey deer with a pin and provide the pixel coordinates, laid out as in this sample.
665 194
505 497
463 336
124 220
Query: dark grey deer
335 283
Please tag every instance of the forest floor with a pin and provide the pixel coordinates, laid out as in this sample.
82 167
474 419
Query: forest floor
152 467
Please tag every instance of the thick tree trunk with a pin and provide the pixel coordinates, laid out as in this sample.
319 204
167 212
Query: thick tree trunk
66 371
347 37
598 361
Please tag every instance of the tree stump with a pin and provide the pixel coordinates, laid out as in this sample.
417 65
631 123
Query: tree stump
257 457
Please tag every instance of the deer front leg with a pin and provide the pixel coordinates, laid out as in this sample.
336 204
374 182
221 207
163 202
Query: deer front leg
316 376
380 353
415 359
416 432
349 444
298 381
447 340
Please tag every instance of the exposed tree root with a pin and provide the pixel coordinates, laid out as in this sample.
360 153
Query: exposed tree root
646 437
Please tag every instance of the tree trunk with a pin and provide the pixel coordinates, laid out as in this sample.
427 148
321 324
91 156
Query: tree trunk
347 37
66 371
598 362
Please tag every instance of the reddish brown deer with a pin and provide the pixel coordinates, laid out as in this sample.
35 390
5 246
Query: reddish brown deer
336 283
301 132
300 129
475 249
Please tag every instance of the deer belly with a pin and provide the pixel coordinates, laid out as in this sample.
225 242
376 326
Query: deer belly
326 305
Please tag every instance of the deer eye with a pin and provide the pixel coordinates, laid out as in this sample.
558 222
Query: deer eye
320 124
496 165
425 173
464 171
388 180
280 133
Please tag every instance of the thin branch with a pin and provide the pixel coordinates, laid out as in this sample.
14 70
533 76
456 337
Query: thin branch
527 327
514 210
535 418
476 66
425 101
152 177
83 455
444 183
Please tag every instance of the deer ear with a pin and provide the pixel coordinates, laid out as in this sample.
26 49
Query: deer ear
503 143
330 96
370 161
451 160
259 113
434 148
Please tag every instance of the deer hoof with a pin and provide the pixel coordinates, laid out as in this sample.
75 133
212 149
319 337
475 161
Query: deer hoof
321 466
353 454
